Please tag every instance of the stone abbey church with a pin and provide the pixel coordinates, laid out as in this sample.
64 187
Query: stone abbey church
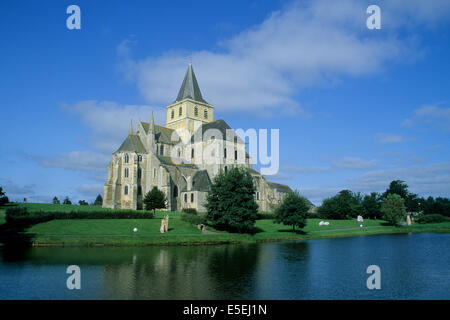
173 159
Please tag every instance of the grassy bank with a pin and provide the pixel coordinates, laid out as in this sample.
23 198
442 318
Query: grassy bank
118 232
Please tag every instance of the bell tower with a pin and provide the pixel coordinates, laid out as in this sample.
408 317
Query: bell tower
189 107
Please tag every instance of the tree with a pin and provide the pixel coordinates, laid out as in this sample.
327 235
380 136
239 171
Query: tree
372 205
412 202
82 203
3 198
155 199
98 201
437 205
401 188
56 200
344 205
292 211
393 209
397 187
230 203
67 201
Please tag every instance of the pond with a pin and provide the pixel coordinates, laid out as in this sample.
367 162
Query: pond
412 266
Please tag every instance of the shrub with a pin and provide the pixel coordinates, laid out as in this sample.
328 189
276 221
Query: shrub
98 201
4 200
155 199
189 210
231 204
345 205
393 209
431 218
265 216
292 211
193 218
21 216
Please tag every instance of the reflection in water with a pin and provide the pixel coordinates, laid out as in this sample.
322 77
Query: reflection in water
412 266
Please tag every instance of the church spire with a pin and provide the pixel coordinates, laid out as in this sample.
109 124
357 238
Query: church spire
152 124
189 88
130 130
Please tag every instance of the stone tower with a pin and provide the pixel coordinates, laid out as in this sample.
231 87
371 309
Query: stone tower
189 109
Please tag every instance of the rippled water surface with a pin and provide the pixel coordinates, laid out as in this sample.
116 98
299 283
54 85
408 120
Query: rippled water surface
414 266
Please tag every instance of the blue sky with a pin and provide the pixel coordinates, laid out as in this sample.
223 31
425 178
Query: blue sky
356 108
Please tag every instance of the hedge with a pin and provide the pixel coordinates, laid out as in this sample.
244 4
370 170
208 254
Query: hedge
431 218
21 216
189 210
265 216
193 218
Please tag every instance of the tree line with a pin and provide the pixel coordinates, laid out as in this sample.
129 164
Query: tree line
347 204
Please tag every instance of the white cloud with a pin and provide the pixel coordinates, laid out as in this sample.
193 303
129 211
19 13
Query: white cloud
317 195
430 115
304 44
91 190
387 138
75 160
12 189
109 121
425 180
305 169
432 179
355 163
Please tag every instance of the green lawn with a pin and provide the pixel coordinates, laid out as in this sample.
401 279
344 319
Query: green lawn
85 232
2 216
59 207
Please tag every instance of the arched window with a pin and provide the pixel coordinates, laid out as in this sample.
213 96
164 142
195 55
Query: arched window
180 111
139 173
175 191
235 155
126 173
185 197
192 152
196 111
125 190
225 152
205 113
154 173
172 114
127 158
139 190
192 197
139 158
179 153
226 169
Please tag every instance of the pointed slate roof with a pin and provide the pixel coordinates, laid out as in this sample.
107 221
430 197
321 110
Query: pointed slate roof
132 143
201 181
189 88
220 125
162 134
279 187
